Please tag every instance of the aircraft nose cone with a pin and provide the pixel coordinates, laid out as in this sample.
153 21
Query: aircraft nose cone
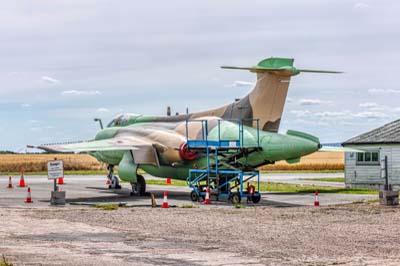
303 146
284 147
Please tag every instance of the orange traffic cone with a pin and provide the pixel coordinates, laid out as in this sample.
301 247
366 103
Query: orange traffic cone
10 185
22 180
169 181
29 197
207 199
61 181
316 201
165 203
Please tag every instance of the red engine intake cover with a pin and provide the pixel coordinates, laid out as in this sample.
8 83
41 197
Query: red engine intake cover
187 154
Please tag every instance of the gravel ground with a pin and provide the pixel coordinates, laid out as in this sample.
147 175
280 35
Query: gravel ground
354 234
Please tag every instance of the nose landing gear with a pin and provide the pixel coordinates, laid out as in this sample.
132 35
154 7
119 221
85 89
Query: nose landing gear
114 180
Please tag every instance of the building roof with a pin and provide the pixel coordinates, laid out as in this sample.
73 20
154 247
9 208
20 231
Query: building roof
387 134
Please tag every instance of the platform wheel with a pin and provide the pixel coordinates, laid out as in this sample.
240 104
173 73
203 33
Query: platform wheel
194 196
235 198
256 198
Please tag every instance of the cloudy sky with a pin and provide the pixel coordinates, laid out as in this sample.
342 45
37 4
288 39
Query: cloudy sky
65 62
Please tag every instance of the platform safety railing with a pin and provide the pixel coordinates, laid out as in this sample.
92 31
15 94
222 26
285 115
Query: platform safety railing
221 142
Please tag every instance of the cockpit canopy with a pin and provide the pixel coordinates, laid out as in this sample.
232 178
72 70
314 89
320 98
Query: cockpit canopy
123 120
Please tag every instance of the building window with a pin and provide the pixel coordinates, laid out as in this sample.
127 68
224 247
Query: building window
368 158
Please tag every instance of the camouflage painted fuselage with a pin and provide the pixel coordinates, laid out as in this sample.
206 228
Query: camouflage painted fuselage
166 135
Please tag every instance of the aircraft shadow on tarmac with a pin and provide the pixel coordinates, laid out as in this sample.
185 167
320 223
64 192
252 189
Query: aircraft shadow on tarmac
123 195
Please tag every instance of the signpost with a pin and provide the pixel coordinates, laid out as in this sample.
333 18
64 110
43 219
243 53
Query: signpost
55 170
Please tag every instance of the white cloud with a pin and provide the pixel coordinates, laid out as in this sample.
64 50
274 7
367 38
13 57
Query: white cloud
372 115
50 80
372 106
382 91
240 83
102 110
361 5
313 102
39 128
26 105
80 93
331 114
301 113
368 105
341 116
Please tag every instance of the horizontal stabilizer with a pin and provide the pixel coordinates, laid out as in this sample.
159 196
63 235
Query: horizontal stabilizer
320 71
280 66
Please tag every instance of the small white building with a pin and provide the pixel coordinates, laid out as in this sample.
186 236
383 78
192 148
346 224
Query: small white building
363 170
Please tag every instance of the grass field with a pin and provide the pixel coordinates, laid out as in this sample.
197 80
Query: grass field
327 179
85 164
290 188
284 188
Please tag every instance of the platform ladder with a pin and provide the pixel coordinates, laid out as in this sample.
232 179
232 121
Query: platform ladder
224 175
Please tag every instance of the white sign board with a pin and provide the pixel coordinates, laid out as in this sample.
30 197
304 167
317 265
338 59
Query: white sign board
55 169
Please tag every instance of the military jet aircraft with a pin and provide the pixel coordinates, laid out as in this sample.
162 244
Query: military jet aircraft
159 145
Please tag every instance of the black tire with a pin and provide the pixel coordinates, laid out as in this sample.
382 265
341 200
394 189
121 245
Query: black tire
236 199
115 183
142 188
256 198
139 188
194 196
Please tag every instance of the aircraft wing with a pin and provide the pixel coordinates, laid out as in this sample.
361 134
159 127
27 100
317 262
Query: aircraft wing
117 143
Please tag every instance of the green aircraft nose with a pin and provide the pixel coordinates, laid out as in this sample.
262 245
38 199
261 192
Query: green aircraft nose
285 147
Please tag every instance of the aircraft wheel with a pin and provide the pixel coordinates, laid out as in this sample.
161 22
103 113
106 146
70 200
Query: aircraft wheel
236 199
142 182
194 196
139 188
256 198
115 183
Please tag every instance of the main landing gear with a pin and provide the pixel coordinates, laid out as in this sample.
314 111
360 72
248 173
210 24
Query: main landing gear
139 188
114 180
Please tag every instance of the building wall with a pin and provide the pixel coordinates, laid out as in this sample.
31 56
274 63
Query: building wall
369 176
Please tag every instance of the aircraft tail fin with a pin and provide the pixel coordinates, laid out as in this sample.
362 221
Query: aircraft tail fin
267 99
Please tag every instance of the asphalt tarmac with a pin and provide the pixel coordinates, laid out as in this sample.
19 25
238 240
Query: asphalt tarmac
93 189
